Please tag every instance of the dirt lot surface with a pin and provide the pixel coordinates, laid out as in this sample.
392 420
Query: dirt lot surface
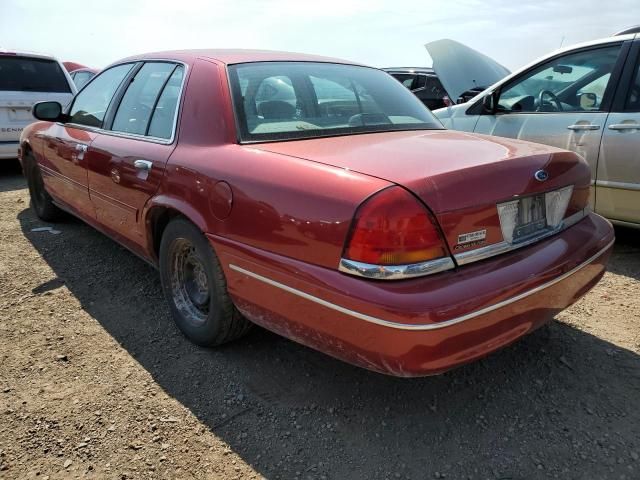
95 381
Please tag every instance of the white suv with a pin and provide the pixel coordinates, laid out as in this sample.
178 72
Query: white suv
27 78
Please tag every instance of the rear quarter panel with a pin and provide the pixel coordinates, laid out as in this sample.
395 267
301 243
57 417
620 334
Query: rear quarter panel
288 206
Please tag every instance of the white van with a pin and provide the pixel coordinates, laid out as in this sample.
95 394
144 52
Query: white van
27 78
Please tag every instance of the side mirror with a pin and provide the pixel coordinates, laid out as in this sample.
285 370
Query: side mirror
587 100
48 111
490 103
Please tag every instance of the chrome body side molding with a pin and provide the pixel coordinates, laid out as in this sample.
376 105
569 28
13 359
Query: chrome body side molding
419 327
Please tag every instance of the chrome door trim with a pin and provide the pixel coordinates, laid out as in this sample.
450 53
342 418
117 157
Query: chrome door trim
420 327
482 253
620 185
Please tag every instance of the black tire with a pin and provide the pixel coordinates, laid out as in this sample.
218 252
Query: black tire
41 201
195 287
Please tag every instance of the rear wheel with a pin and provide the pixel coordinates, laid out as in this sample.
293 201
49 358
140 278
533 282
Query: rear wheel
41 201
195 287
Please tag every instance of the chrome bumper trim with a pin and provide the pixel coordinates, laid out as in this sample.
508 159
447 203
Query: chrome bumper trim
395 272
482 253
420 327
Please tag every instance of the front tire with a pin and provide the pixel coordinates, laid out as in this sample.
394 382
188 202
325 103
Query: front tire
195 287
41 201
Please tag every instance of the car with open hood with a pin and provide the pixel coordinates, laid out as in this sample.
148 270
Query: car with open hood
458 74
585 98
321 200
27 78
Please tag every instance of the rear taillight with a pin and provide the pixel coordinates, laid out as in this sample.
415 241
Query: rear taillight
394 228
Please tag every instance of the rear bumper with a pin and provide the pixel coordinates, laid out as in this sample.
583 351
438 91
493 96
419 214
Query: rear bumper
9 149
421 326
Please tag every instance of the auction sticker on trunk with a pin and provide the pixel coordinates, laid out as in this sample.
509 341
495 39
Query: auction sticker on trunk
470 237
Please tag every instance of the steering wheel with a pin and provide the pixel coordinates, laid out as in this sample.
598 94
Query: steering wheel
552 97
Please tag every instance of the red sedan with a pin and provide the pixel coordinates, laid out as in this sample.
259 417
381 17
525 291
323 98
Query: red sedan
321 200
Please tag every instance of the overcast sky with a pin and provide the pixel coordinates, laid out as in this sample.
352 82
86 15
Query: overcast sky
376 32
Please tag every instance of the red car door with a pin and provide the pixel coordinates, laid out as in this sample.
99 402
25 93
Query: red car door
65 147
64 166
127 159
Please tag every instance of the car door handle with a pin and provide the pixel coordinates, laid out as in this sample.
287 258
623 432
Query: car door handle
144 165
81 149
625 126
577 128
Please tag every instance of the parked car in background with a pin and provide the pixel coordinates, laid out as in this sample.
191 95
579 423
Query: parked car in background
26 78
584 98
459 73
321 200
423 83
82 76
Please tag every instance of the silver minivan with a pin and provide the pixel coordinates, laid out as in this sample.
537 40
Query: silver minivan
584 98
27 78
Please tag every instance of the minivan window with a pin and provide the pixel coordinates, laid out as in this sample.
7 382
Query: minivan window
139 100
90 105
310 99
28 74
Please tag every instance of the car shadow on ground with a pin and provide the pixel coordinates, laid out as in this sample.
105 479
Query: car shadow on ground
11 174
559 402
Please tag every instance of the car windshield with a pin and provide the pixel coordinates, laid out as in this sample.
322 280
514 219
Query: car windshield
290 100
26 74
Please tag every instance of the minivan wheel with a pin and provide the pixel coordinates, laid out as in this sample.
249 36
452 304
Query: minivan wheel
41 201
195 287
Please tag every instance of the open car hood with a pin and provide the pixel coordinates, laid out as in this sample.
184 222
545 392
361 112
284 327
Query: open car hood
461 68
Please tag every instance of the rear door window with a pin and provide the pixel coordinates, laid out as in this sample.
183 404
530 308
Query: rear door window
139 101
164 115
27 74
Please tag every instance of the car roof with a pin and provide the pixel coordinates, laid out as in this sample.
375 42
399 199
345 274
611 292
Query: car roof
18 53
85 69
231 56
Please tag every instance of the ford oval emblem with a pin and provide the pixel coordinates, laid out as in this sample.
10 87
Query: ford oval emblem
541 175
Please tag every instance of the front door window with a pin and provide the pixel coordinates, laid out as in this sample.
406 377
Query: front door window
571 83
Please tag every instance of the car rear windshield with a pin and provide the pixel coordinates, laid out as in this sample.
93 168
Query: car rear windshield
291 100
26 74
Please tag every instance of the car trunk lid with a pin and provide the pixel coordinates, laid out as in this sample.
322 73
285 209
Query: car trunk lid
461 177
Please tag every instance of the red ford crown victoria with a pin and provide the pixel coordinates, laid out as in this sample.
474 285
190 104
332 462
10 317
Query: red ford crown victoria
321 200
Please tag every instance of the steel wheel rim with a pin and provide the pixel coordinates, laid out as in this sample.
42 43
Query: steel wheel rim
190 284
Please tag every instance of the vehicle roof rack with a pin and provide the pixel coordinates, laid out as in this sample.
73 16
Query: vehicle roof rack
634 29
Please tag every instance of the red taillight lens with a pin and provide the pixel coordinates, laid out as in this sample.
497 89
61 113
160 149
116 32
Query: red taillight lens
393 228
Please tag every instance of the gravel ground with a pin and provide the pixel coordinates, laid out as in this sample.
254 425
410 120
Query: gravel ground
95 381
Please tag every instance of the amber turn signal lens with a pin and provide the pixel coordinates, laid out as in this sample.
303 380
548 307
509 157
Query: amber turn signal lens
394 228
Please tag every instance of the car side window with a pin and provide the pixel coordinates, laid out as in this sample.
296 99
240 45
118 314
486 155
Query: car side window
138 102
573 82
90 105
421 82
81 78
405 79
632 103
162 120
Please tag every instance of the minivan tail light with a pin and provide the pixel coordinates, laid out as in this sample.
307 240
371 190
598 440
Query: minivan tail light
392 228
